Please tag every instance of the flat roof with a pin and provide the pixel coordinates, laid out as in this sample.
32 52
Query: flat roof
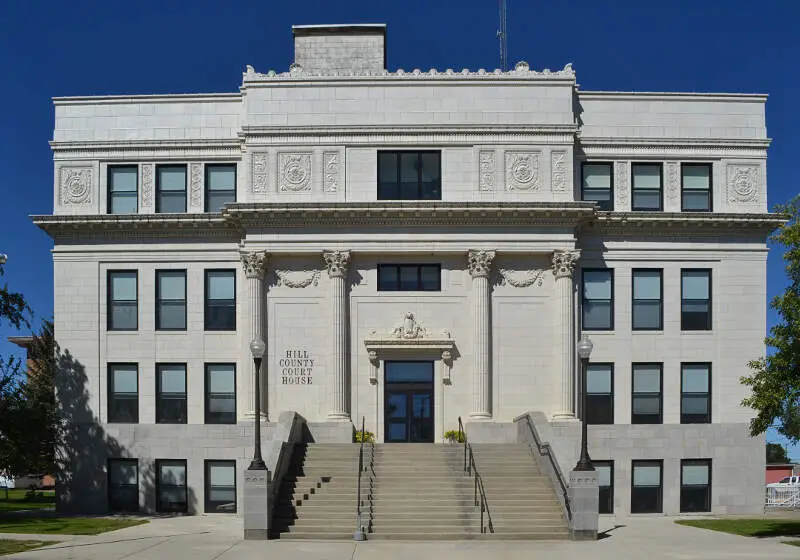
340 29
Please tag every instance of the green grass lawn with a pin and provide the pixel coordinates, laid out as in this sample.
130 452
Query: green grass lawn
748 527
12 547
17 500
793 543
65 525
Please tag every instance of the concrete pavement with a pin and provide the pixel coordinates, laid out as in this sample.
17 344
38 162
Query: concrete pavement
219 538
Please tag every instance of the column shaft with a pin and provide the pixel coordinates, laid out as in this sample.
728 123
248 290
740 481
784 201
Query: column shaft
254 266
480 263
564 360
337 262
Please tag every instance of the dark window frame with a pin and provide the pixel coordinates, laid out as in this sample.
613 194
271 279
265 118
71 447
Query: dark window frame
159 406
660 501
206 169
708 488
660 392
584 300
209 506
185 508
710 300
660 299
710 168
185 185
207 394
111 393
609 396
610 165
110 303
608 499
112 507
419 153
694 418
206 299
110 193
660 165
185 298
419 266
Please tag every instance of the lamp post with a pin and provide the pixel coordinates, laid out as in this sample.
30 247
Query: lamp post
584 351
257 347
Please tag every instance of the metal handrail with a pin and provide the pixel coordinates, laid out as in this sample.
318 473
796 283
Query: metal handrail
546 450
479 497
361 530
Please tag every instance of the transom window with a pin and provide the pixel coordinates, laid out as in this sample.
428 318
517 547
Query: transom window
170 393
122 189
598 184
600 394
647 300
409 175
220 308
409 277
598 299
696 187
220 394
696 393
220 186
123 307
123 393
171 300
695 485
647 388
696 300
647 186
171 189
646 491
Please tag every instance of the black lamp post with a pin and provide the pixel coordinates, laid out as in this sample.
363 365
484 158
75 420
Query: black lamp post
257 348
584 351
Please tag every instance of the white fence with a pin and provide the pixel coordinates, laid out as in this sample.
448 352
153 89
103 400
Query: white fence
783 497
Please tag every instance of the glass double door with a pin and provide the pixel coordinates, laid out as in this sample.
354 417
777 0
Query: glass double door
408 402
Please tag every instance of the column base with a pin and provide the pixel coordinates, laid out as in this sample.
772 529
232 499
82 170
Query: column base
338 417
252 415
480 416
561 416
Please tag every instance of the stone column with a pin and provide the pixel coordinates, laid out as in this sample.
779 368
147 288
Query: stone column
563 266
337 263
255 265
480 266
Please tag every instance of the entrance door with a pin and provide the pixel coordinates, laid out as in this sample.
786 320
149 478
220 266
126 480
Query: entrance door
408 402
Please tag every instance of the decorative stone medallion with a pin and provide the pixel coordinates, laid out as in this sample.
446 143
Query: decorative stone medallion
330 164
621 183
76 186
558 170
743 183
522 171
147 185
258 172
673 182
196 182
295 172
487 165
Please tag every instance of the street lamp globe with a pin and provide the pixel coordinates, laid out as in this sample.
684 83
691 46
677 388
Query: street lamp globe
257 348
585 348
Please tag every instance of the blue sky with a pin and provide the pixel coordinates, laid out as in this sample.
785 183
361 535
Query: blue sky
103 47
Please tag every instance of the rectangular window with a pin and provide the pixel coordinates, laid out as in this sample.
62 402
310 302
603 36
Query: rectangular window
598 299
696 187
598 184
220 486
647 191
171 300
123 485
695 485
122 189
600 394
171 189
220 297
171 486
646 407
171 393
647 300
123 295
409 278
123 393
646 488
220 186
409 175
605 480
696 300
220 394
696 393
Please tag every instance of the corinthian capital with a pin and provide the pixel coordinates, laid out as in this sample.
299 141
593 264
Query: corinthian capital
564 263
479 263
337 263
255 263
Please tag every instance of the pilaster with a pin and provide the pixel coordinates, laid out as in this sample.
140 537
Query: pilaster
255 266
337 263
563 267
480 266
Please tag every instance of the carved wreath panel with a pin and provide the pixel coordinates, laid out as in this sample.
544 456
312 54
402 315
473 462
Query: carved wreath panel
521 279
330 171
743 183
297 278
522 171
487 165
258 172
76 186
558 170
295 172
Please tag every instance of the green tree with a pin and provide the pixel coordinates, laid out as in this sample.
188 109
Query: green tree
13 307
776 454
775 379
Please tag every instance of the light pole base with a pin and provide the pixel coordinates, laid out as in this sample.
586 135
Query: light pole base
256 510
584 498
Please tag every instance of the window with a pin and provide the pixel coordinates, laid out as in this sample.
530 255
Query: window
647 300
696 393
171 393
598 299
696 300
171 486
598 184
122 193
220 186
605 480
220 394
171 300
696 187
695 485
409 176
646 186
220 486
123 393
123 307
409 278
647 490
123 485
600 394
220 311
171 189
646 408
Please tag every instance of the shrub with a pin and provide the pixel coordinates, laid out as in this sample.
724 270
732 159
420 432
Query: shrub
454 436
365 437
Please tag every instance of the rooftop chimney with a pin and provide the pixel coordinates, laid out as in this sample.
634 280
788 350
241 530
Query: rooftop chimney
340 49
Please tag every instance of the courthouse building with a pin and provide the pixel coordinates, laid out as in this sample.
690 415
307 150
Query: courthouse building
413 247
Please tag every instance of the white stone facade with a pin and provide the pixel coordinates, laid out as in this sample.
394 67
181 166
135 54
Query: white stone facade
307 233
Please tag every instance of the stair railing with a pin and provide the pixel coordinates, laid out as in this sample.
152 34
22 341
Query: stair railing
479 496
362 529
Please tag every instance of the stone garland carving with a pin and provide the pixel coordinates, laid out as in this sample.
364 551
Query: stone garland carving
528 278
337 263
487 165
330 164
258 172
255 264
196 181
621 182
295 172
743 183
297 278
76 186
564 263
673 183
147 185
558 171
479 263
522 171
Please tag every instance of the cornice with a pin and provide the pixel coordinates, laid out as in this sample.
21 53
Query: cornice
147 149
672 96
136 226
152 98
677 147
683 222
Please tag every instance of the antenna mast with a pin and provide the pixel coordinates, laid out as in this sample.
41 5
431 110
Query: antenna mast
502 34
